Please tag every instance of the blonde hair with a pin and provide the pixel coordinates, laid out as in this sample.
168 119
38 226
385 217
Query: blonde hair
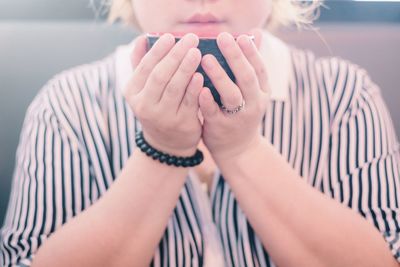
300 13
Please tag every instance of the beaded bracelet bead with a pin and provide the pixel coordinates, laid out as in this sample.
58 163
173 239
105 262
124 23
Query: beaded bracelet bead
165 158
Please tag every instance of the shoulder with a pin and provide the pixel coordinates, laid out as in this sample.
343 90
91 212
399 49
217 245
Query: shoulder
90 79
342 82
73 102
72 90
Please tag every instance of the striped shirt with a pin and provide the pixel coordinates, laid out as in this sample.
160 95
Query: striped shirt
326 117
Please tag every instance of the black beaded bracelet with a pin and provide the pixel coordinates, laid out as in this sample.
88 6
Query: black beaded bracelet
162 157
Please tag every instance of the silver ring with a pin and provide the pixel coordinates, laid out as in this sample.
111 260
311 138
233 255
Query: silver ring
234 110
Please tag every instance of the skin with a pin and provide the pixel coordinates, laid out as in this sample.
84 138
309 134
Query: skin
166 95
239 16
249 15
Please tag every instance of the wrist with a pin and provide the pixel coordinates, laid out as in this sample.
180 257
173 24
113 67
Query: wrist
234 155
179 152
166 158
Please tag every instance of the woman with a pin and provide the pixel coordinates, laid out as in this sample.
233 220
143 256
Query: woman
302 161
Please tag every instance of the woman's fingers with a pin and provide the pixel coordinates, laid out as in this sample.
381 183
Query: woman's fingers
230 94
175 89
253 56
146 65
258 36
139 51
190 101
163 71
209 108
244 73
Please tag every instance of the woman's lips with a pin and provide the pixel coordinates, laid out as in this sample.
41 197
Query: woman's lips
203 18
203 28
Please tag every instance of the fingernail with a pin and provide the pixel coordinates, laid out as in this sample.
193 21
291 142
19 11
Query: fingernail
190 39
208 62
226 39
166 37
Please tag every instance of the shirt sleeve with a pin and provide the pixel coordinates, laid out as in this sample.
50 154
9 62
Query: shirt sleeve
364 161
50 184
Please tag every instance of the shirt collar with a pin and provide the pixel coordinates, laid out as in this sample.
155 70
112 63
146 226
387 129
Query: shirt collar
275 53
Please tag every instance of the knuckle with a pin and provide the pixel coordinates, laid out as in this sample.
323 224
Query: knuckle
231 99
159 77
236 55
172 60
171 89
193 61
248 77
188 100
143 68
193 56
156 52
175 52
187 66
218 75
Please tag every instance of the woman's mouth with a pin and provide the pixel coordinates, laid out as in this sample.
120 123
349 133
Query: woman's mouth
207 30
203 29
205 24
203 18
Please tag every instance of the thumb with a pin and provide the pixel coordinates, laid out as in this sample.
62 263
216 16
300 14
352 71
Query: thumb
139 50
208 107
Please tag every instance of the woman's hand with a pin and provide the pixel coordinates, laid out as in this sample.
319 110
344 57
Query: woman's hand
228 135
163 93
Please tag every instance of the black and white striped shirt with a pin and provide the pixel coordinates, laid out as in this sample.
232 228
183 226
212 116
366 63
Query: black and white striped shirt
326 117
